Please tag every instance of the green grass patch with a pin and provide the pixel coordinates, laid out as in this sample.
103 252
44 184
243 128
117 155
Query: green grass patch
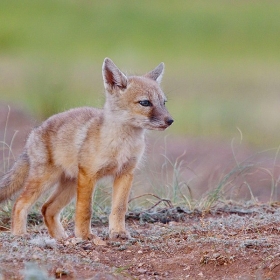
222 58
160 28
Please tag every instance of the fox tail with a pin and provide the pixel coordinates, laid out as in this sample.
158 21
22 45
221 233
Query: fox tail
14 179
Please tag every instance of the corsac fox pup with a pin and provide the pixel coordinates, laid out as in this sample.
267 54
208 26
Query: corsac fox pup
72 150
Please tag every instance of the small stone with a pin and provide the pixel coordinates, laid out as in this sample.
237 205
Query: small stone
142 270
60 271
35 257
76 240
216 255
87 247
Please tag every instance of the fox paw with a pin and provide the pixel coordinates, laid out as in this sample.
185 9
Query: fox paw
93 238
26 235
85 236
119 235
96 240
58 235
90 236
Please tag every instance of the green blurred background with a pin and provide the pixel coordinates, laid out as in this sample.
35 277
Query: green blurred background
222 59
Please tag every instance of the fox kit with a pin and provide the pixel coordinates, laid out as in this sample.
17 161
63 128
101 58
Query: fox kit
72 150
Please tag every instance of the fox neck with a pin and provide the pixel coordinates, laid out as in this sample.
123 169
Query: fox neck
116 122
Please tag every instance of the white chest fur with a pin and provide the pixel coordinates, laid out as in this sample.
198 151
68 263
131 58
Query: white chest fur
117 153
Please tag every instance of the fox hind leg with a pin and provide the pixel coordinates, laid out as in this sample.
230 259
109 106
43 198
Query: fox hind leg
23 203
62 195
34 186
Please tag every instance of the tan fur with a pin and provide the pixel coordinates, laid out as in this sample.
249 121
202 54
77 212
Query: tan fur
74 149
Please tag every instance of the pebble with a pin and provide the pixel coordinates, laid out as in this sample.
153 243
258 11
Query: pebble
142 270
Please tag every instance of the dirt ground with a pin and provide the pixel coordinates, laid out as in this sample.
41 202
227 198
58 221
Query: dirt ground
226 243
230 242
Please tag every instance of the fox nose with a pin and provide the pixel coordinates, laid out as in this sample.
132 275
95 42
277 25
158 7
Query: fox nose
169 121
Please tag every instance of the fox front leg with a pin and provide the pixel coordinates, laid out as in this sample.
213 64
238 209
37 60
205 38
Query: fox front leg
121 190
85 189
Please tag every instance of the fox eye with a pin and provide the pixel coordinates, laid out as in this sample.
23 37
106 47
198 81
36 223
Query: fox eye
145 103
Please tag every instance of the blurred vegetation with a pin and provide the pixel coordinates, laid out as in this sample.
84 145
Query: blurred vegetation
222 59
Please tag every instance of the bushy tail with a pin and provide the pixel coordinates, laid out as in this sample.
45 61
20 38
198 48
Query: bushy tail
14 179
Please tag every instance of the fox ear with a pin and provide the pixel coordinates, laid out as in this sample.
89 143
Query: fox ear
157 73
112 76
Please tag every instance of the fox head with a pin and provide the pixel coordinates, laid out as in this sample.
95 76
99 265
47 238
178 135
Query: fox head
137 101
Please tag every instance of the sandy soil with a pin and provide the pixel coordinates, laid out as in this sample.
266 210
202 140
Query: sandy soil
228 243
